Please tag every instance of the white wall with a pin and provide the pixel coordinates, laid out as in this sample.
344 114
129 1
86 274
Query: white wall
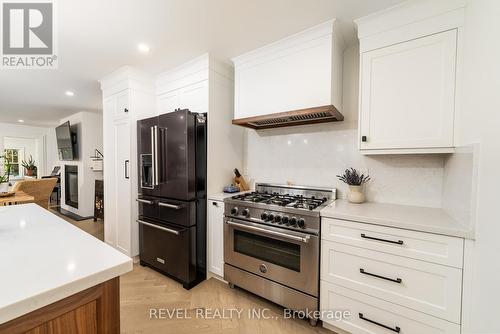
45 136
480 122
89 127
314 154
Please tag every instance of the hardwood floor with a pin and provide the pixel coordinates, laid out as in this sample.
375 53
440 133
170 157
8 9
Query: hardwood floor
143 291
88 225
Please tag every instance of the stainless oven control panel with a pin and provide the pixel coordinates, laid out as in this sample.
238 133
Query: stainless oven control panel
288 220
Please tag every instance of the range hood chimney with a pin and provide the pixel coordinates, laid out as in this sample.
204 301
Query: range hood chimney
294 81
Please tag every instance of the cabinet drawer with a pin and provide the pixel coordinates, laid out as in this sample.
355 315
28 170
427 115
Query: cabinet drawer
422 286
369 315
416 245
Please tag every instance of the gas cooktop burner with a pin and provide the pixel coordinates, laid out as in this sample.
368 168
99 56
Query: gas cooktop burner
286 200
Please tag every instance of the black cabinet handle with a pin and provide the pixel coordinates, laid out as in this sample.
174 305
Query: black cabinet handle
125 110
126 169
398 242
215 204
397 280
395 329
363 138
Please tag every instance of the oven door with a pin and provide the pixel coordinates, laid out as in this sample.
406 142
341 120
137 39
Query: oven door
287 257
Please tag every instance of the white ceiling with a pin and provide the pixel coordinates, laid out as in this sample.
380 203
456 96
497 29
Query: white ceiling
96 37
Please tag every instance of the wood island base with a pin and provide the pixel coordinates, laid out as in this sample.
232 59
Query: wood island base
92 311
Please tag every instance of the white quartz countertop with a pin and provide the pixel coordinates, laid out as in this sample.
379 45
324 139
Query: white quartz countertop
431 220
223 196
44 259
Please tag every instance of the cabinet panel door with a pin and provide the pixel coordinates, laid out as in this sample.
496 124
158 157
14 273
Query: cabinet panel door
168 102
123 189
195 97
216 237
109 145
122 105
408 94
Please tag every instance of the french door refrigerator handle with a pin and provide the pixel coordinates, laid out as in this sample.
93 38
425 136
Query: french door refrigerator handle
153 155
158 227
156 155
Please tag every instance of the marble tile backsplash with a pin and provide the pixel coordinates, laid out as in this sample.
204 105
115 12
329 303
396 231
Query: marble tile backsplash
315 154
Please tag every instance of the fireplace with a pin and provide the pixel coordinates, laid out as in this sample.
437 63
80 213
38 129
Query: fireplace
71 185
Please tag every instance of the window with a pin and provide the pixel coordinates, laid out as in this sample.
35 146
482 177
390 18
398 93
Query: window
13 155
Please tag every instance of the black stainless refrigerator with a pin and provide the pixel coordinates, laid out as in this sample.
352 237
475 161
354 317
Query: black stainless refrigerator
172 156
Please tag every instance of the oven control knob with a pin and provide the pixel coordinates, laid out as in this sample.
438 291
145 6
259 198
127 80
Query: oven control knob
270 217
263 216
277 219
284 220
293 221
234 211
301 223
245 212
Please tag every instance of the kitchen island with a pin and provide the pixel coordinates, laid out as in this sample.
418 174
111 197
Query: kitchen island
56 278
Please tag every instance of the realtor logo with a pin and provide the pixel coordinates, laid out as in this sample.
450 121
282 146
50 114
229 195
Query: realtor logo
28 35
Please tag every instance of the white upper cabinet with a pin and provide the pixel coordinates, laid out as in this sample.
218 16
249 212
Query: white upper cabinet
408 93
408 80
193 97
299 72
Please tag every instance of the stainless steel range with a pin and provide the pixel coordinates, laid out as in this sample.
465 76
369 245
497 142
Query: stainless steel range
271 243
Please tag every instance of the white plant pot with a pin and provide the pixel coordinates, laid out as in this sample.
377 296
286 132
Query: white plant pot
4 187
356 194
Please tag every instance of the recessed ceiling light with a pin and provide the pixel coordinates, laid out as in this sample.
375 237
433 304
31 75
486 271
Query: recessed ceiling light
70 93
20 120
144 48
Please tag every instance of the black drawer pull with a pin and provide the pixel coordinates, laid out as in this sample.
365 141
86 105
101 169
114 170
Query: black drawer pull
399 242
397 280
396 329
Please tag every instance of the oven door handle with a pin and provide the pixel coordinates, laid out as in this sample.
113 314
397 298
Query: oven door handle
305 238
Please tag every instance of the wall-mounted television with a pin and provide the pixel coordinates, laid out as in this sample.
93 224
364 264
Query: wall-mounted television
66 142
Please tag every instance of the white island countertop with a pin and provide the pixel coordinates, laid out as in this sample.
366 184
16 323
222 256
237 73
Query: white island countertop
45 259
423 219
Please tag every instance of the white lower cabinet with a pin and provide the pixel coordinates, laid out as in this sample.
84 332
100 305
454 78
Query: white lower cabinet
422 286
369 315
216 237
388 279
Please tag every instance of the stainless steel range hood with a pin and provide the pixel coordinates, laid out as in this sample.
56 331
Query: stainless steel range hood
290 118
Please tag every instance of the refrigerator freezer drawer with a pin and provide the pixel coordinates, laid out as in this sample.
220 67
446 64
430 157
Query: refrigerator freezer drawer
168 211
169 249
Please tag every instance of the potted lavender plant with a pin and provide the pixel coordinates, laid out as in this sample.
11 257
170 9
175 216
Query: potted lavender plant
355 181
